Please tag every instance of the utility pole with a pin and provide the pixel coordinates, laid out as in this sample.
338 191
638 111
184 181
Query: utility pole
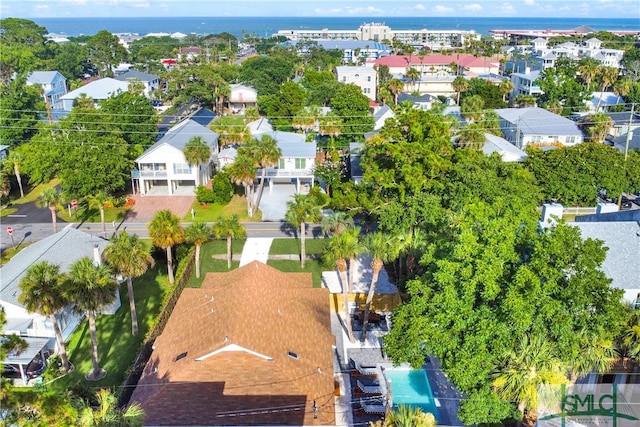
626 146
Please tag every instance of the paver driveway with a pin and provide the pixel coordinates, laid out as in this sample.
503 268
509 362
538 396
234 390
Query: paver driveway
146 207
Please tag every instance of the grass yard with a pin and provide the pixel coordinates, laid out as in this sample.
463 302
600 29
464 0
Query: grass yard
211 213
33 193
85 214
209 264
10 252
117 349
7 211
311 266
292 246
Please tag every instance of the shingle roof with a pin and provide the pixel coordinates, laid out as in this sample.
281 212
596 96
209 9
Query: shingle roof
538 121
61 249
99 89
508 151
622 263
247 340
382 111
180 134
138 75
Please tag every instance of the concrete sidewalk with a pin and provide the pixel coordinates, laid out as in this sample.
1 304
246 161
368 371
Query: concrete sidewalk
255 249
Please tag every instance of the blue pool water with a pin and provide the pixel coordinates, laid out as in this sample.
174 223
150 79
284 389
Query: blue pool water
411 387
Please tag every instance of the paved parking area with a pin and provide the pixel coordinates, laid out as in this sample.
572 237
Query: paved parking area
274 201
146 206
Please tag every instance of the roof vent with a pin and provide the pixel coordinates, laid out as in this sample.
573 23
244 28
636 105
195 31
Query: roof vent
181 356
293 355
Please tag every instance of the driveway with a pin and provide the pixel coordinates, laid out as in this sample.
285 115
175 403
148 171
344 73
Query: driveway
274 201
146 207
29 213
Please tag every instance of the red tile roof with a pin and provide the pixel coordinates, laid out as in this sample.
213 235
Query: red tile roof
415 60
240 332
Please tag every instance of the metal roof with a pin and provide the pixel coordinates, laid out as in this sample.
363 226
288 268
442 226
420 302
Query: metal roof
179 135
99 89
34 346
538 121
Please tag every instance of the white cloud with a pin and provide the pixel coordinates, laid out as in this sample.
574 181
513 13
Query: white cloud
78 2
530 2
41 7
472 7
420 7
507 8
442 9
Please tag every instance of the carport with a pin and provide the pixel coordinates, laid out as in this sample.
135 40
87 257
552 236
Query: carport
35 347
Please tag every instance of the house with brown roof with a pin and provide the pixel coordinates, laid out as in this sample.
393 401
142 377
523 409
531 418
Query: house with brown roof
252 346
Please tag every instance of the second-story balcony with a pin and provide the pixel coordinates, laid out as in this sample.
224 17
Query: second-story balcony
284 173
153 174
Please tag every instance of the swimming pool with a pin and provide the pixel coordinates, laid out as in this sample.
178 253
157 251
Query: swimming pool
411 387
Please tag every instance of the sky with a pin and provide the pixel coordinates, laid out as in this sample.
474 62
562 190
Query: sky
321 8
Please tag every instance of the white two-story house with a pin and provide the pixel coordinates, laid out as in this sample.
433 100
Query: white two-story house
163 169
366 78
53 84
533 125
150 82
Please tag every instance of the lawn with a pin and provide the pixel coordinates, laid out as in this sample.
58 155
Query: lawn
10 252
86 214
208 264
211 212
32 194
117 349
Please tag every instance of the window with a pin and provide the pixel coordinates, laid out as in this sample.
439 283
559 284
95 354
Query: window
281 164
181 356
293 355
571 140
366 90
301 163
368 78
357 76
344 78
181 168
536 138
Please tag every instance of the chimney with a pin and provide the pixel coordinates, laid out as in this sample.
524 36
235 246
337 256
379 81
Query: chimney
96 255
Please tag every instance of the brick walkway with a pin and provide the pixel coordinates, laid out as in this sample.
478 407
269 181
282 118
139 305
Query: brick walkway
146 207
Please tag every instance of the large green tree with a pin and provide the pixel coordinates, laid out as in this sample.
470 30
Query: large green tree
21 108
107 413
134 116
128 257
24 47
266 73
352 106
282 105
229 228
104 50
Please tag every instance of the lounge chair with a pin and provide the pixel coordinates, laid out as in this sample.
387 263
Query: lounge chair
365 371
373 408
368 389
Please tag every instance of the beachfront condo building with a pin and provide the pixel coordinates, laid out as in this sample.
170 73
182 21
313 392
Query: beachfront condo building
375 31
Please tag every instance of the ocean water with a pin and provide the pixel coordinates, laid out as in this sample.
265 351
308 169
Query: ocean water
266 26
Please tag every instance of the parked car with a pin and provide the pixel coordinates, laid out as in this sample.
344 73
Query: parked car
157 103
10 371
35 369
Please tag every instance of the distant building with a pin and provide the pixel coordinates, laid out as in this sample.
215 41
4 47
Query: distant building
525 83
53 84
366 78
375 31
241 97
150 82
97 90
515 36
354 51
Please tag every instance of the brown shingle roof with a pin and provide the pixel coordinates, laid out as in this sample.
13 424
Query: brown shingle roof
237 331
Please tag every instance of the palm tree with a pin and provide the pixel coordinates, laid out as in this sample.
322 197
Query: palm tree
91 288
229 227
595 354
98 201
460 84
630 338
165 232
266 154
409 416
588 69
524 369
338 250
622 87
395 86
129 257
413 75
472 107
382 248
198 233
50 198
505 87
356 248
196 152
304 121
608 76
472 136
13 161
243 172
330 125
598 126
107 413
41 292
336 222
302 209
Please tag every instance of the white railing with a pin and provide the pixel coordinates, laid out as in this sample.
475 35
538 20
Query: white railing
153 174
286 173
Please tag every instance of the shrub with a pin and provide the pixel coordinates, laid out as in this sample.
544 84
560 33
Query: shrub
222 188
54 368
204 194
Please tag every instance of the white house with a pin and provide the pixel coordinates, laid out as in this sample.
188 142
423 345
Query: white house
423 102
61 249
53 84
533 125
525 83
380 116
97 90
162 169
151 82
240 97
366 78
506 150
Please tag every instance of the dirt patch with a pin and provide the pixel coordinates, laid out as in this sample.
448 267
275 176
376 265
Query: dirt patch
146 207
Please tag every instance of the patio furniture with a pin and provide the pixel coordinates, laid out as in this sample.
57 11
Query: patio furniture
373 408
359 370
369 389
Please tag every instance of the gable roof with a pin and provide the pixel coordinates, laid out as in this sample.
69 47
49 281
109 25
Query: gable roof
61 249
416 99
99 89
259 126
385 109
203 116
180 134
257 338
138 75
538 121
508 151
42 77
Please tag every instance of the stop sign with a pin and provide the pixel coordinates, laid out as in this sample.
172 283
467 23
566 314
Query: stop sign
10 231
74 203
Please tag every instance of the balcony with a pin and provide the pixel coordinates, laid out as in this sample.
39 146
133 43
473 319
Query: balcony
282 173
150 174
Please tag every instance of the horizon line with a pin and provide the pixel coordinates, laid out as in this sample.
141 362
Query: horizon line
323 16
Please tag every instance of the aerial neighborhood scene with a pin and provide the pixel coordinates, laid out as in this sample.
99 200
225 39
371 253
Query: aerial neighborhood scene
320 213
